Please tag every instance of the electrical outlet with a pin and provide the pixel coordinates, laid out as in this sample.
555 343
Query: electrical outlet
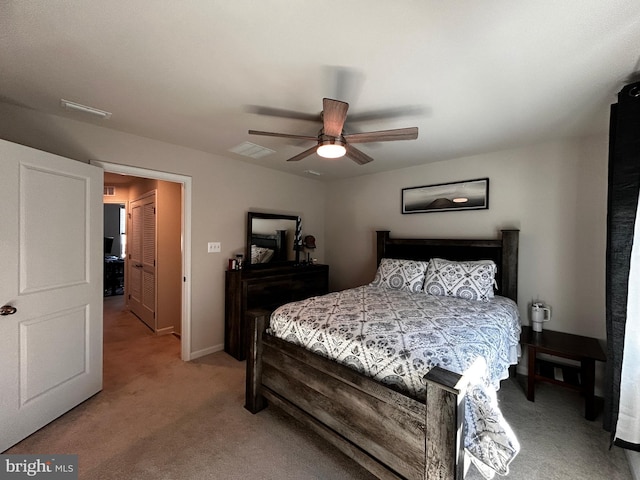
213 247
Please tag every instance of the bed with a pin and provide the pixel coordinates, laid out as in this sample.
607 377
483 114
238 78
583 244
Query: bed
391 430
267 247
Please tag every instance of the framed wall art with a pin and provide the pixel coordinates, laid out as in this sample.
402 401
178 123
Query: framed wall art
447 197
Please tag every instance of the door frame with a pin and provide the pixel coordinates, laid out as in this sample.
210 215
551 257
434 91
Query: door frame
185 336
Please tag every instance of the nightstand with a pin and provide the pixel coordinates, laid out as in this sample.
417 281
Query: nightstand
586 350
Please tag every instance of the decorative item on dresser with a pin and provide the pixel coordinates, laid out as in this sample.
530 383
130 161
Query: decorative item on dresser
265 288
415 436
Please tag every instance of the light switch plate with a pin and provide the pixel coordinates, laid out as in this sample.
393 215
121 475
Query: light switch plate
213 247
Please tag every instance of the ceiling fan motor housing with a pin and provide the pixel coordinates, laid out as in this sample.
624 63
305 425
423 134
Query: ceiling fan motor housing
329 140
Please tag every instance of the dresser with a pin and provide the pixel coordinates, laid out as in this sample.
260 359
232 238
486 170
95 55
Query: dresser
266 289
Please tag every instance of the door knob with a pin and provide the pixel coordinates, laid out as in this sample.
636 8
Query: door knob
7 310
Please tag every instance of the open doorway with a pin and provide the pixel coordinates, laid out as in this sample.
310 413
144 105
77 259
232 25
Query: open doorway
145 265
182 228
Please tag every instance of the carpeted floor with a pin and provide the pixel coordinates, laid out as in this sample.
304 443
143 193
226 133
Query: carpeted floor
160 418
557 442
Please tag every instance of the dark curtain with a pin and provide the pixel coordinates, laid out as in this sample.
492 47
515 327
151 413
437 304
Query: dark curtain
624 186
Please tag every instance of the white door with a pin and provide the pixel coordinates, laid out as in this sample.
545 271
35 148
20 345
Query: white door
51 273
142 259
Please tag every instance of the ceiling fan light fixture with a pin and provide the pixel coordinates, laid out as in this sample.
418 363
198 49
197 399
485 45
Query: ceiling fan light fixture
330 147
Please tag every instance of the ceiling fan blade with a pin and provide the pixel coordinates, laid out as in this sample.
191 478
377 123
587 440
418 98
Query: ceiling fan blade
283 135
304 154
385 113
344 83
334 113
358 156
280 112
410 133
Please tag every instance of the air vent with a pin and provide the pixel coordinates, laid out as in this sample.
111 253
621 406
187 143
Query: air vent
251 150
78 107
109 191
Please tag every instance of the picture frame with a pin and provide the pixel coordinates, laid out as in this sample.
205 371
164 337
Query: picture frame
447 197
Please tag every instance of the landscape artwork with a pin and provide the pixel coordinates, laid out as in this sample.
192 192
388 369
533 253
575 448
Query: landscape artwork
447 197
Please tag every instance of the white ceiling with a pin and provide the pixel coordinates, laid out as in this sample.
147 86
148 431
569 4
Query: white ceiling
473 76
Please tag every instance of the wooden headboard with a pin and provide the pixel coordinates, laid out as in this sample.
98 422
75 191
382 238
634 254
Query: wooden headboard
503 251
276 242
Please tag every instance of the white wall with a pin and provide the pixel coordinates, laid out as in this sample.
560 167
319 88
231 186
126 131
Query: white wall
554 193
223 191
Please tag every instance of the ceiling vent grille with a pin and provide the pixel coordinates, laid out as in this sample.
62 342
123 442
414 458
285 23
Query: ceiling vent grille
109 191
251 150
78 107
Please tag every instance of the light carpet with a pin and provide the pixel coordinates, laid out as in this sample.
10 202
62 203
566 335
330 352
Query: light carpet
160 418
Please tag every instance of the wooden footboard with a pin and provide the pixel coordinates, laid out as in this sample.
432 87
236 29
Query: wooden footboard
388 433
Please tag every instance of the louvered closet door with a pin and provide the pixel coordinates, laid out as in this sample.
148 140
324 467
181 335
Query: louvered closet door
142 259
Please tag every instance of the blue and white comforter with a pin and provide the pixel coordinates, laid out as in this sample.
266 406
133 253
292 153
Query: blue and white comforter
396 337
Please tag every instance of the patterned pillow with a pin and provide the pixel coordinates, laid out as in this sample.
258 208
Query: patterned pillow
260 254
400 274
473 280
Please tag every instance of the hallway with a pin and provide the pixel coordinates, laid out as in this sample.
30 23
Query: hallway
130 347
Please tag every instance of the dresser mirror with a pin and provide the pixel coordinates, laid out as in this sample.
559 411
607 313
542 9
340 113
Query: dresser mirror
270 239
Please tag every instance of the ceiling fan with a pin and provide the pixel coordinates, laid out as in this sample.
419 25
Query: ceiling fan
333 142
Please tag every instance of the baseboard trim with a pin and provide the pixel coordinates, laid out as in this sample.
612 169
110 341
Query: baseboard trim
205 351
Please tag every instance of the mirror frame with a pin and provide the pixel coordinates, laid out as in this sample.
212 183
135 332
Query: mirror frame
269 216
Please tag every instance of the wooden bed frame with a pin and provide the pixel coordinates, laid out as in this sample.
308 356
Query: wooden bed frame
389 433
275 241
